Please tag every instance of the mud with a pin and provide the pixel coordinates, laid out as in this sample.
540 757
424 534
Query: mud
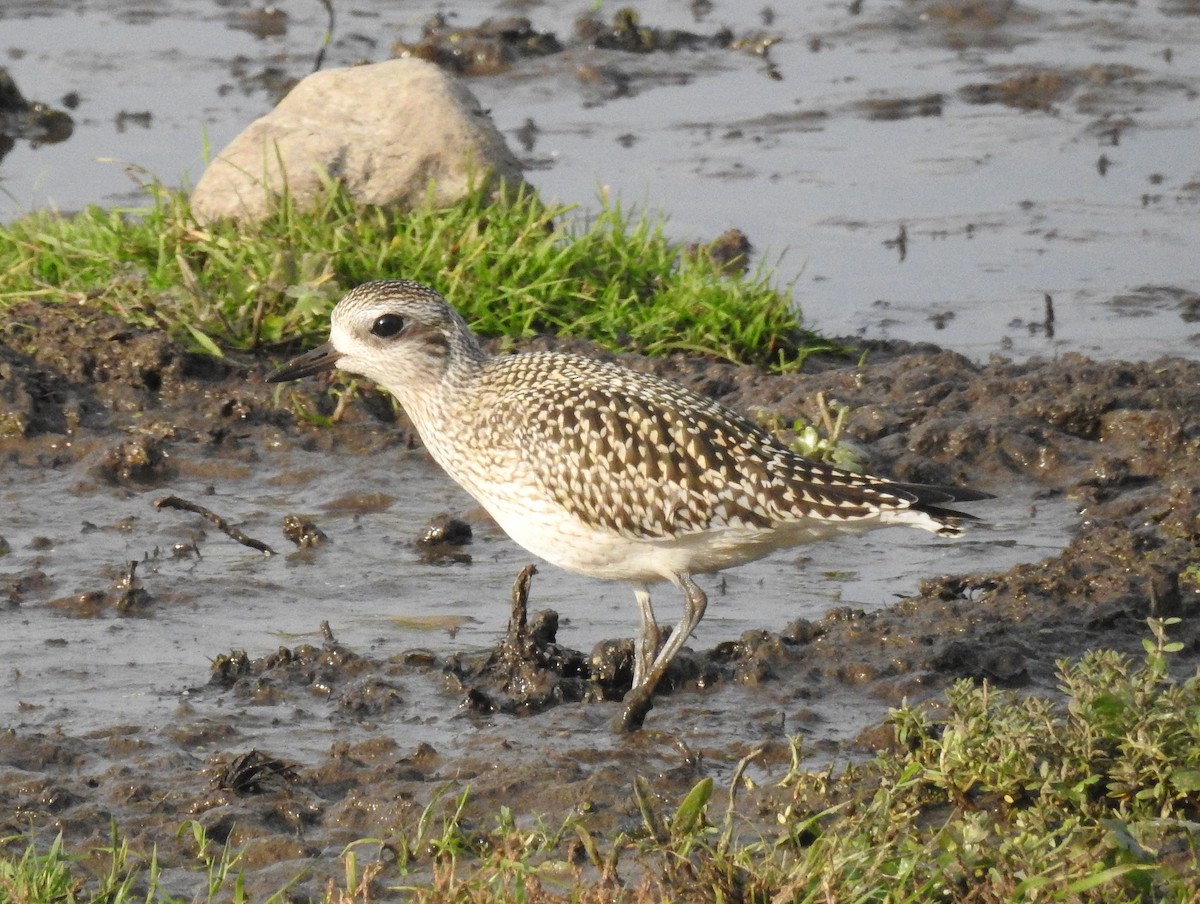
32 121
528 719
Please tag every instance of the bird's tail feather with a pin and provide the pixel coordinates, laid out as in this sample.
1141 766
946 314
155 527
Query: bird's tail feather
931 499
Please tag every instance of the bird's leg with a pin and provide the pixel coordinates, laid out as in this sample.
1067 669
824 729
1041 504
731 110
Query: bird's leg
645 645
637 702
694 603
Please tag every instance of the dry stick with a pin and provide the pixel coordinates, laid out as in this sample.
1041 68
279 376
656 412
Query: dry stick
176 502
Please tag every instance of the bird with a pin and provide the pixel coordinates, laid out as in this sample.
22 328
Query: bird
602 470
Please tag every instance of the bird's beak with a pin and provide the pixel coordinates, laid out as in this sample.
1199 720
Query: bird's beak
323 357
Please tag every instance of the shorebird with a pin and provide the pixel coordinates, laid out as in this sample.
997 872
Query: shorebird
602 470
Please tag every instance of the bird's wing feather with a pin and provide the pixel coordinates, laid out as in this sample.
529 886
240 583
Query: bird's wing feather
646 458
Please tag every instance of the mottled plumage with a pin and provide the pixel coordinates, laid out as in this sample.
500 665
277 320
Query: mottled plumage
602 470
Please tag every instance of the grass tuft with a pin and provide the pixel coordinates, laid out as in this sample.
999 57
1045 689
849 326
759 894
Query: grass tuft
513 267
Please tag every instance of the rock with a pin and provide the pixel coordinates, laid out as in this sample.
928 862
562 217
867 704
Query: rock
385 131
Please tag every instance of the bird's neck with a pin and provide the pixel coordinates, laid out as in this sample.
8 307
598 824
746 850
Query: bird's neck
449 374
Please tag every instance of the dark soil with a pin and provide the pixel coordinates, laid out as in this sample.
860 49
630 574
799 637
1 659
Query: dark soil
1122 439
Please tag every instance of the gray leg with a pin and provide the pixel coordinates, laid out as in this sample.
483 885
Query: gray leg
645 645
694 604
637 703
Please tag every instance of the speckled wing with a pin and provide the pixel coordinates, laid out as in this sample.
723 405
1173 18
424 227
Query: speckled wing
646 458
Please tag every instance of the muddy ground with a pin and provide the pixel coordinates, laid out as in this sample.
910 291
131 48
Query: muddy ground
1121 439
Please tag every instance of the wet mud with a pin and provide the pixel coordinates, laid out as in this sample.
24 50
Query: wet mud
531 716
32 121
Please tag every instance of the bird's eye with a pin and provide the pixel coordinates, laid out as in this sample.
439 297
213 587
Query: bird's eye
387 325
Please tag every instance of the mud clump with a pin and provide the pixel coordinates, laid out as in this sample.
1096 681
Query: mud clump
358 686
482 50
1037 90
142 462
66 370
495 45
125 596
442 540
528 671
33 121
627 32
303 532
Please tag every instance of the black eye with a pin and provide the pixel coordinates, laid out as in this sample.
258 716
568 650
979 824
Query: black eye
387 325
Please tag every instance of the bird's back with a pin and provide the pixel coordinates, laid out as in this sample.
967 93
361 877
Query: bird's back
643 458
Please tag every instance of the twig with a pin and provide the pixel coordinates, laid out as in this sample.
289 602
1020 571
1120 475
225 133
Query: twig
176 502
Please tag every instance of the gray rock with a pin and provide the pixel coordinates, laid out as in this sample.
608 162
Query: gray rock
385 130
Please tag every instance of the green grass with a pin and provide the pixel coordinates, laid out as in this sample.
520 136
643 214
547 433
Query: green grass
513 267
1090 796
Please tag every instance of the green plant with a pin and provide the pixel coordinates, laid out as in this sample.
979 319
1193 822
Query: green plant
513 266
821 438
36 876
220 864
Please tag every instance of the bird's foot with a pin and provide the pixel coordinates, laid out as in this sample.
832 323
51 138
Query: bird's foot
636 705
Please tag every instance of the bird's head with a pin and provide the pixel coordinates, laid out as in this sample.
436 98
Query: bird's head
401 334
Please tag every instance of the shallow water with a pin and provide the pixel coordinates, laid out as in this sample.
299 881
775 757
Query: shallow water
1001 205
76 673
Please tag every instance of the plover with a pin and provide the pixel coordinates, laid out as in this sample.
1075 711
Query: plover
602 470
